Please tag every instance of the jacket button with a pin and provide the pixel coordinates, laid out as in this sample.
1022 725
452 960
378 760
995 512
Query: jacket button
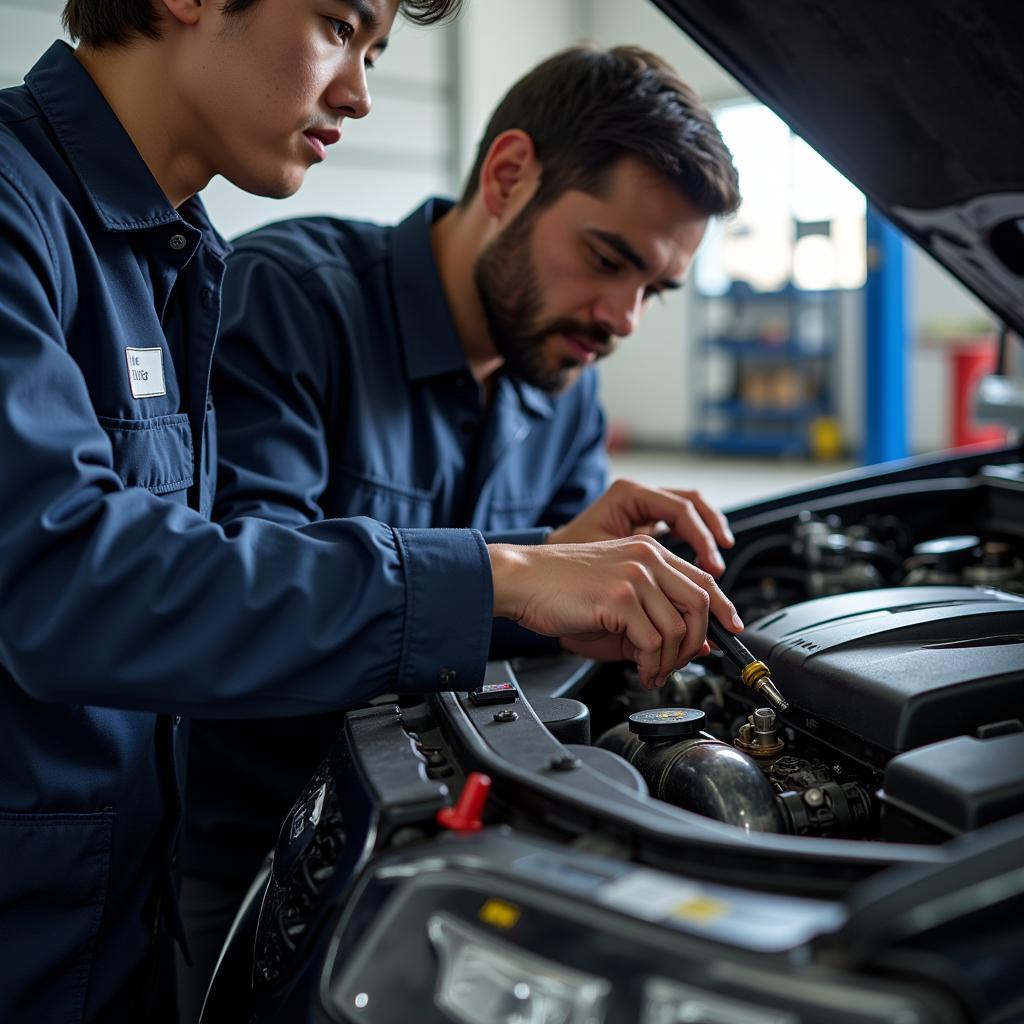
178 242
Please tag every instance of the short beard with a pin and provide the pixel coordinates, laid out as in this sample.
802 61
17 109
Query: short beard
506 282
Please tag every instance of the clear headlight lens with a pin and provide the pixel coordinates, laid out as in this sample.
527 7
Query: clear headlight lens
672 1002
486 981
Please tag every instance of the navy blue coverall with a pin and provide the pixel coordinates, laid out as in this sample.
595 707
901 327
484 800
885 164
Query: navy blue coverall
121 605
342 389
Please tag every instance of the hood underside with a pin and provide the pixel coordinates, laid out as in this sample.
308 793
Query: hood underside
919 104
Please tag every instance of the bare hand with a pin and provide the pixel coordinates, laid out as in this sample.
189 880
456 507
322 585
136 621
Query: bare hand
627 599
628 508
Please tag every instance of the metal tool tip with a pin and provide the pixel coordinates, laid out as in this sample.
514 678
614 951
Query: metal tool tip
769 690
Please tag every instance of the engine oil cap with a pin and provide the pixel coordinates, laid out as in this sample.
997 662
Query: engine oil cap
666 723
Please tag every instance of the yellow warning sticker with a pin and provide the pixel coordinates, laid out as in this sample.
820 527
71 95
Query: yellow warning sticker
701 910
499 914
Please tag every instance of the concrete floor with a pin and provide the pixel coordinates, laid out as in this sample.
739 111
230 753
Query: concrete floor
724 480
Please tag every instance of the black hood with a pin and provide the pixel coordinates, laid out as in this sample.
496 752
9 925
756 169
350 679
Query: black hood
918 103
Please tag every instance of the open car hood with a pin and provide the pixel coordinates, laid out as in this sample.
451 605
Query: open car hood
917 103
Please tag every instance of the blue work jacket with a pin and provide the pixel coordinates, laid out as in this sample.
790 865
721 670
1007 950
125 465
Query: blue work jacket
342 389
121 605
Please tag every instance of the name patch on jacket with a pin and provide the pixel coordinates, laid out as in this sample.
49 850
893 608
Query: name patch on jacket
146 372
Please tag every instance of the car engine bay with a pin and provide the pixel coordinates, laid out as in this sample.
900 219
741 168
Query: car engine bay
890 610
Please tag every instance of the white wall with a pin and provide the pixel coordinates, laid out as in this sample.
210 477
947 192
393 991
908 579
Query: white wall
27 28
498 43
938 305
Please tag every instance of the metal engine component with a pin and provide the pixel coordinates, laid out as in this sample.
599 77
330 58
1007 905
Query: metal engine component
959 596
965 560
940 562
998 567
689 768
759 738
838 561
814 803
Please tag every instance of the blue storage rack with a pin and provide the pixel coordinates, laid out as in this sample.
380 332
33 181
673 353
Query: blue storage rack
731 422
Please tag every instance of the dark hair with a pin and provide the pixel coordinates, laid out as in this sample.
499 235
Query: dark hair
105 22
586 108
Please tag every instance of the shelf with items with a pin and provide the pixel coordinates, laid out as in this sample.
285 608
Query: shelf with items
767 372
737 442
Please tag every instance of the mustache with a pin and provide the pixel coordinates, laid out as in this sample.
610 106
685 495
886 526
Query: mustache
591 332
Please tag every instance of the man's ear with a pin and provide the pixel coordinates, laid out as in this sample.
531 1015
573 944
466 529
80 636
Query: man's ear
187 12
510 172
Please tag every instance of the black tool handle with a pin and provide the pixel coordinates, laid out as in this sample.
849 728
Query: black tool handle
731 646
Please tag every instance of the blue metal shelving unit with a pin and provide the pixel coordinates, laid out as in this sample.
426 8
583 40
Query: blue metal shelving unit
734 423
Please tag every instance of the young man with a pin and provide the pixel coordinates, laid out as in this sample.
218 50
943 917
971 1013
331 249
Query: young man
439 374
122 605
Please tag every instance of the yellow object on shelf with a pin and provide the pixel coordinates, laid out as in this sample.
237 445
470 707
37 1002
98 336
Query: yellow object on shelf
826 440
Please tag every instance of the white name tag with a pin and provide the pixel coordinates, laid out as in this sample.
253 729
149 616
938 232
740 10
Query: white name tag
146 372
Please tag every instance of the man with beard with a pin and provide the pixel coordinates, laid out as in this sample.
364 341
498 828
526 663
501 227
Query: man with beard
439 374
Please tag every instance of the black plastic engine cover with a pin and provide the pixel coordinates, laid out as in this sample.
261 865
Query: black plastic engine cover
900 667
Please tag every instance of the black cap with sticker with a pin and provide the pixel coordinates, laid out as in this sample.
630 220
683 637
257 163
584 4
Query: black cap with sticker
666 723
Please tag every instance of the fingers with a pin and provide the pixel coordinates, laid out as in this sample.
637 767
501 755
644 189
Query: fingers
633 588
715 519
674 633
718 604
695 618
676 599
650 625
689 526
688 514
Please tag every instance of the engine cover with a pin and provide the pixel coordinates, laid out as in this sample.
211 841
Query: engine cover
899 667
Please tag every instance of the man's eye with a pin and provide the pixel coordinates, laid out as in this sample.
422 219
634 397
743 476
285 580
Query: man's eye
604 263
342 29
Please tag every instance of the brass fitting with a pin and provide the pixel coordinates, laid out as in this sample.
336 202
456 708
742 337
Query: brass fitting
758 737
757 677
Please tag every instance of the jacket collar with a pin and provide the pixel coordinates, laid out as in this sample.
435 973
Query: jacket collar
119 185
420 299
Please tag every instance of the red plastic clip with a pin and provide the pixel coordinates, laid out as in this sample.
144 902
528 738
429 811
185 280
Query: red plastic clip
466 815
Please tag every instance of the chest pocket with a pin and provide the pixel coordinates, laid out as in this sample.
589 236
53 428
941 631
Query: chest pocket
357 493
505 512
154 453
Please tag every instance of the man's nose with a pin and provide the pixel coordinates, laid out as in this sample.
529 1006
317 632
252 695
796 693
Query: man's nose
618 312
349 92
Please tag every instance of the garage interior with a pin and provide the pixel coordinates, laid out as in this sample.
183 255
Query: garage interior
434 90
813 355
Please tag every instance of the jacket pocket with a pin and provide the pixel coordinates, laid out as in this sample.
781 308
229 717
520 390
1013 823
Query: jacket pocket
154 453
52 890
515 513
358 493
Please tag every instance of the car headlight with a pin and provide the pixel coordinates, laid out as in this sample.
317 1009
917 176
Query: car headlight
672 1002
485 981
